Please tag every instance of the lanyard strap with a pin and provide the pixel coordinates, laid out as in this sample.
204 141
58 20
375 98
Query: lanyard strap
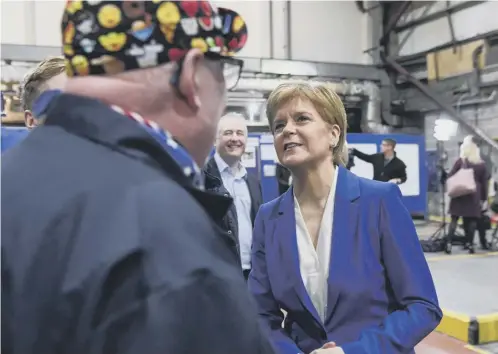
163 137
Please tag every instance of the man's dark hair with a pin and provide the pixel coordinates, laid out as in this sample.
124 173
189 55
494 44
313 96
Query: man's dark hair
391 142
34 82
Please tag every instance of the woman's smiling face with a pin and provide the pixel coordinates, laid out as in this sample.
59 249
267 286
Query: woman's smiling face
301 135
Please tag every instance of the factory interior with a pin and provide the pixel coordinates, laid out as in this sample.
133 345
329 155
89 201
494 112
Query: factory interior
423 73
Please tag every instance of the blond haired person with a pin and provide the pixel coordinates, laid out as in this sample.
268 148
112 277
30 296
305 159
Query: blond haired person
48 75
338 253
469 207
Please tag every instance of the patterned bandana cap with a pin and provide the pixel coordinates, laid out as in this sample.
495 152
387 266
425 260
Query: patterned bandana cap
109 37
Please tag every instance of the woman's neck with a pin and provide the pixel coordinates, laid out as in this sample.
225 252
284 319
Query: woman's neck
313 186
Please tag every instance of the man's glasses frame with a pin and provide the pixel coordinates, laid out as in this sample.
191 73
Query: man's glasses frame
225 61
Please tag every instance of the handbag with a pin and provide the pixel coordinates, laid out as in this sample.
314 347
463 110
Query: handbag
462 182
485 222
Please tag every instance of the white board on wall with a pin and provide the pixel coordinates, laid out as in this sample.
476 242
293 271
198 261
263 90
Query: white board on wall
362 168
268 152
409 154
249 157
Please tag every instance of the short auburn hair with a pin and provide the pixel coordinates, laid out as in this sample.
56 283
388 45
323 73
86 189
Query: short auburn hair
34 81
325 100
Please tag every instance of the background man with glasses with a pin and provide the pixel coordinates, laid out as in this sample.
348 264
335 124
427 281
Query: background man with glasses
122 252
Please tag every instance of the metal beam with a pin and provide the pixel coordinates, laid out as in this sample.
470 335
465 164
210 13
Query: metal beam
448 108
375 26
490 36
408 34
393 21
437 15
452 28
29 53
312 69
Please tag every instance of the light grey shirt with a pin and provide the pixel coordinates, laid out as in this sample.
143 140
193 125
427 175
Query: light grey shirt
235 183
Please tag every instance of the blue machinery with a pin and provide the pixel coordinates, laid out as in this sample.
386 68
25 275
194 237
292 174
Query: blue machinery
261 160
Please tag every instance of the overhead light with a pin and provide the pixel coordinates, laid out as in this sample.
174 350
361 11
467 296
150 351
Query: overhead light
253 110
445 129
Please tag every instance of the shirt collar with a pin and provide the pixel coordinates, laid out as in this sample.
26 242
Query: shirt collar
223 167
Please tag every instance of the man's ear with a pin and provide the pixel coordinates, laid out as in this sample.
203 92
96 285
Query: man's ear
188 84
29 120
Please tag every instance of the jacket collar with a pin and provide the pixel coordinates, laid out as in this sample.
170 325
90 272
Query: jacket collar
348 188
96 121
213 175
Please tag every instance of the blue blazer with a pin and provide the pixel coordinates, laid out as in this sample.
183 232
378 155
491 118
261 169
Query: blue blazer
381 297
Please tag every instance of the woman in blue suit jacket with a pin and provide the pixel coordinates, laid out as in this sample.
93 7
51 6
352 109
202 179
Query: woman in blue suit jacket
338 253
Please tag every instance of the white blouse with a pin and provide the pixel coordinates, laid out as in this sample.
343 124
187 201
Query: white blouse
314 264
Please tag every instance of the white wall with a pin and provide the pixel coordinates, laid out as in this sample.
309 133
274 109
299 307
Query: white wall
325 31
31 22
328 31
467 23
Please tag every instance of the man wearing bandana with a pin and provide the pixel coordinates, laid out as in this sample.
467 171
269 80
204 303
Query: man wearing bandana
110 244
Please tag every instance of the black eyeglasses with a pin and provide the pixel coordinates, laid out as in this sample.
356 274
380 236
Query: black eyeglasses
231 68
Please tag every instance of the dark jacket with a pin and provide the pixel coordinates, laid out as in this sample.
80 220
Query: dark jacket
395 168
283 177
108 248
229 223
470 205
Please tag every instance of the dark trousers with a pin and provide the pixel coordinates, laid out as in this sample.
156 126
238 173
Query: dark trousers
469 226
246 273
482 228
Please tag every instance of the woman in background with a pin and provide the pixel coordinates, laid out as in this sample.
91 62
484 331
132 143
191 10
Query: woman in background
338 253
469 207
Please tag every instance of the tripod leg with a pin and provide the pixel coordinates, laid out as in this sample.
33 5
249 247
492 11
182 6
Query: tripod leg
449 236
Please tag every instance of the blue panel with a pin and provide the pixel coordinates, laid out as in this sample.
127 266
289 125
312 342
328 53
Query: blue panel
432 161
12 136
255 170
415 189
269 184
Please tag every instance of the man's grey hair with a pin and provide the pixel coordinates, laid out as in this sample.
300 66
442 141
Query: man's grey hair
33 83
232 115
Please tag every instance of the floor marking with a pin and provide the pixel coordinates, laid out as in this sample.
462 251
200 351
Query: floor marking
461 256
477 350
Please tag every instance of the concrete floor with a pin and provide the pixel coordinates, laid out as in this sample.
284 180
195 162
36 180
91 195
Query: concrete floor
466 284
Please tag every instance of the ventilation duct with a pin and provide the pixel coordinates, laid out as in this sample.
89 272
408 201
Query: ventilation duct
372 121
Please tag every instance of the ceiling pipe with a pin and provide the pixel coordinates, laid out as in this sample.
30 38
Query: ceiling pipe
372 121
